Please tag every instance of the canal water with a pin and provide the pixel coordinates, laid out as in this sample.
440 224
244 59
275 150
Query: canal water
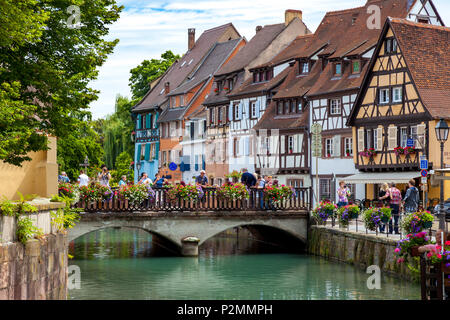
133 264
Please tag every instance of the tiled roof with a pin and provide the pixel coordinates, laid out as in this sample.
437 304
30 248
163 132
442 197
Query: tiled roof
252 49
270 120
223 97
172 114
291 51
248 87
178 72
426 49
214 60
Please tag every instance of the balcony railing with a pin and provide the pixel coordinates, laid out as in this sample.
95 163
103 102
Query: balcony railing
300 201
147 133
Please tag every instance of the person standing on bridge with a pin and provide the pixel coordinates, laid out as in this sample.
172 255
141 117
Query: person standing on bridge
83 179
145 180
202 180
104 176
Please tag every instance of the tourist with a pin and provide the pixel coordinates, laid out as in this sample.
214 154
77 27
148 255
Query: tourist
159 181
260 184
343 194
432 247
123 181
63 177
202 180
269 181
145 180
104 176
83 179
411 199
383 191
395 199
247 178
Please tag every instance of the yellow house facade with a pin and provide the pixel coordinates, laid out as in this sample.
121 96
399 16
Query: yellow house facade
403 96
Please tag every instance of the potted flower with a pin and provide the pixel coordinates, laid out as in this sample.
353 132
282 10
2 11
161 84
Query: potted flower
399 151
329 155
216 90
135 194
386 214
66 189
234 175
410 150
226 89
277 194
230 192
372 218
184 192
347 152
323 211
409 247
417 221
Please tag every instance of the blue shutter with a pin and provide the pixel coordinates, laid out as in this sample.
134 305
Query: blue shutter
156 120
138 153
196 163
147 151
203 162
138 126
157 150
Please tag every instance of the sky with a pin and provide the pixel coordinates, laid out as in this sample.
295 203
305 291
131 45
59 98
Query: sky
146 29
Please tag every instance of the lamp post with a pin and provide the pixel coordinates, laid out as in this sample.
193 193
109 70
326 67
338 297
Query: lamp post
442 136
138 167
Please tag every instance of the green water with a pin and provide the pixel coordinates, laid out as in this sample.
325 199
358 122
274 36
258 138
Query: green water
126 264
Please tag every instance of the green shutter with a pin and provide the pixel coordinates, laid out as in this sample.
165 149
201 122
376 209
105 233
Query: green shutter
148 119
138 122
138 154
157 150
147 151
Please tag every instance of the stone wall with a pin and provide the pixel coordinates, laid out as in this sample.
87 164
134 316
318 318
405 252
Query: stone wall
361 250
38 269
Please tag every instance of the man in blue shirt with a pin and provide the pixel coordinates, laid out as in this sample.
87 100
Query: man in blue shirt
63 177
247 178
202 179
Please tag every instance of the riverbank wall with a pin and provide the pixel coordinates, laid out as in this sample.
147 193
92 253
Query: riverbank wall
360 250
36 270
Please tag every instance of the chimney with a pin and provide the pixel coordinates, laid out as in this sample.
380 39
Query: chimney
258 28
167 87
290 15
191 38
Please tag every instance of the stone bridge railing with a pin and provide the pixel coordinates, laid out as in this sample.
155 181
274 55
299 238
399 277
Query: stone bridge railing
301 200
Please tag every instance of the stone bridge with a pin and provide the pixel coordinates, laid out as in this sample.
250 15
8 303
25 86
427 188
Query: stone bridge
188 230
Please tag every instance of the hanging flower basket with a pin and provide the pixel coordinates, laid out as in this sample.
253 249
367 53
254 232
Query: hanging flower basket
399 151
368 153
410 150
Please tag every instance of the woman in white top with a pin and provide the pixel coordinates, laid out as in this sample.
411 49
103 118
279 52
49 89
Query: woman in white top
145 180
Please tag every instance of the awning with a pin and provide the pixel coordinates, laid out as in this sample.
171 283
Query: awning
382 177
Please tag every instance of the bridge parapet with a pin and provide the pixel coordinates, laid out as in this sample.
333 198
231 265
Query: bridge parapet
158 200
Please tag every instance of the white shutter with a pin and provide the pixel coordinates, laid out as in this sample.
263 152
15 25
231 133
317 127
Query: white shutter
257 106
246 109
294 143
246 146
392 137
282 145
240 110
208 120
360 139
337 146
379 142
230 112
421 136
299 143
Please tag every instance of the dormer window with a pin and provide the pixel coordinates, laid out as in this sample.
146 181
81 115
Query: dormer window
390 46
181 100
280 107
356 66
269 74
230 84
338 69
174 102
304 68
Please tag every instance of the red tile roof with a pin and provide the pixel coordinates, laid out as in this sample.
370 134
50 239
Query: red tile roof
178 72
426 50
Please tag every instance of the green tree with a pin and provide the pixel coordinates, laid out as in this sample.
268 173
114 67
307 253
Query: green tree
149 71
45 69
122 167
73 148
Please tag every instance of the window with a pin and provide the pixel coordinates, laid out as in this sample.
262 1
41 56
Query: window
299 106
384 96
286 107
369 138
390 46
253 109
236 112
338 69
255 77
262 76
304 68
230 84
212 116
335 106
267 145
296 183
280 107
174 101
143 121
192 130
220 116
348 144
397 94
375 138
413 134
356 66
403 136
181 100
328 147
269 74
236 147
325 189
291 144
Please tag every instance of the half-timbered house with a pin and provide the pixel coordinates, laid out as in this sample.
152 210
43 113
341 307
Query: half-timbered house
148 130
404 94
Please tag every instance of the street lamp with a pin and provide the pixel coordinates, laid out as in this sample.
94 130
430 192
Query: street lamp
138 167
442 136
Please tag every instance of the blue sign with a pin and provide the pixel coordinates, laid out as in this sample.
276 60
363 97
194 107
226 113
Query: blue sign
173 166
423 164
424 173
410 143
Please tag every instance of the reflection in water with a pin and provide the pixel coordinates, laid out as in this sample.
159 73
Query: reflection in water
121 264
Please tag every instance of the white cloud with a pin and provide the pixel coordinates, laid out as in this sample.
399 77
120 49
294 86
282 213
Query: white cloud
148 28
